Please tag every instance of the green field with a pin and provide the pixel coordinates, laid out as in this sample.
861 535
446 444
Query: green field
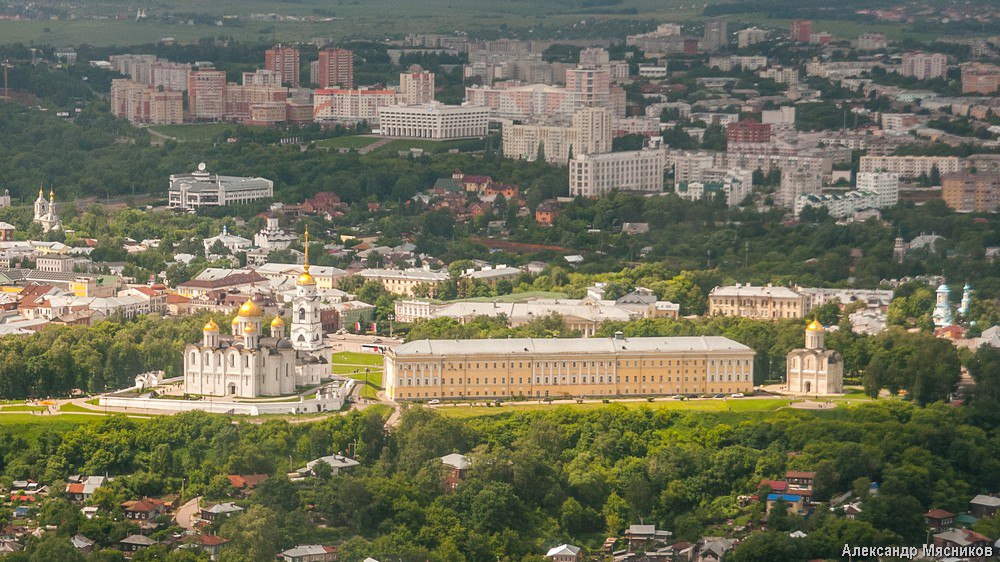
198 132
356 20
29 427
355 142
354 358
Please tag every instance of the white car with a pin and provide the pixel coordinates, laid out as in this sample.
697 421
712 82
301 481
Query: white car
434 402
737 395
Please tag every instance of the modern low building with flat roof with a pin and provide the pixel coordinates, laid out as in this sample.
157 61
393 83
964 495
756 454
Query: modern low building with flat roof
202 189
568 367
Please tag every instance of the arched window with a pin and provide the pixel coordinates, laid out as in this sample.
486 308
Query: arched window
232 359
302 313
302 338
247 360
194 357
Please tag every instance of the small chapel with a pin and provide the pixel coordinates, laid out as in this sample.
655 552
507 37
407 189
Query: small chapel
815 369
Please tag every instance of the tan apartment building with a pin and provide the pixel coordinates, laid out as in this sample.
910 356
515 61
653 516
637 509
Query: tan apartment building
562 368
588 132
406 281
971 193
911 166
593 175
761 303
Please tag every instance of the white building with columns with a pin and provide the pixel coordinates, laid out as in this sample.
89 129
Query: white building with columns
247 364
433 121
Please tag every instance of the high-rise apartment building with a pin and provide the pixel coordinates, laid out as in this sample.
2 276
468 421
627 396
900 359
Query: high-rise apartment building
590 132
334 69
924 66
748 131
971 193
351 105
885 186
801 30
207 94
750 36
590 86
716 35
416 86
285 61
141 103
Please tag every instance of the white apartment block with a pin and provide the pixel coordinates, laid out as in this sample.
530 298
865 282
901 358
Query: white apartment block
589 132
911 166
433 121
838 205
924 66
781 74
733 189
416 87
691 165
593 175
744 62
750 36
594 56
884 185
350 105
796 183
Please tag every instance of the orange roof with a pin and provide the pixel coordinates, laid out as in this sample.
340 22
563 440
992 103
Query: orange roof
74 488
211 540
177 299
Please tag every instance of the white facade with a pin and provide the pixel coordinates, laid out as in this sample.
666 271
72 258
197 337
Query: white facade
884 185
814 369
597 174
248 365
433 121
272 237
45 212
796 183
838 205
202 189
750 36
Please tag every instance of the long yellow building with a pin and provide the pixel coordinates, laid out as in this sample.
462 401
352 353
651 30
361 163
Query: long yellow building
561 368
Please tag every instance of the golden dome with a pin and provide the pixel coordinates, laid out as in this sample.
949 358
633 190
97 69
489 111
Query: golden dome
249 329
210 326
249 309
235 321
814 326
277 322
305 279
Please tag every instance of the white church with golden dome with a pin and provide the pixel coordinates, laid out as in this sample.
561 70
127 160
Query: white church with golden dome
814 369
248 364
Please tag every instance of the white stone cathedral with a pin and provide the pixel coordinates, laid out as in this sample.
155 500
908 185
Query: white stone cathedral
814 369
45 212
246 365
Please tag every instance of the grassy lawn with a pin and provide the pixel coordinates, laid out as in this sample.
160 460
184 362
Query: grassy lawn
516 297
30 427
737 405
399 145
372 383
198 132
69 407
357 141
353 358
23 408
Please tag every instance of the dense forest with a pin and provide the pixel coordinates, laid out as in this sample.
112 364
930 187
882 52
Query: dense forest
538 478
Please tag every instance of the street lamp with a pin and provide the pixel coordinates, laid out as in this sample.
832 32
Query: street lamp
391 317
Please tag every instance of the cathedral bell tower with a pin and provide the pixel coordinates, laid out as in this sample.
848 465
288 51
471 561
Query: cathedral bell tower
814 335
307 325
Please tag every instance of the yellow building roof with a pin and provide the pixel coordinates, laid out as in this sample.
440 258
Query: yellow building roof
815 326
211 326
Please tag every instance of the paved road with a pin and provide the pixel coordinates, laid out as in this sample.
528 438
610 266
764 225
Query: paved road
188 513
